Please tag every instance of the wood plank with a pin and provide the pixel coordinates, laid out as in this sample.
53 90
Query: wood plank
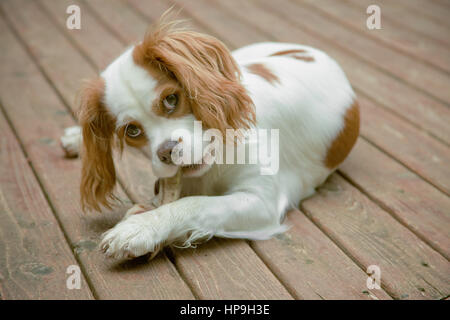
416 150
415 203
409 268
312 266
304 282
414 21
251 277
228 269
390 93
243 35
429 9
392 34
153 13
427 79
86 39
127 26
60 177
34 254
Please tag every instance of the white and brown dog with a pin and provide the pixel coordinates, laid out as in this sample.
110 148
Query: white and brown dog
175 77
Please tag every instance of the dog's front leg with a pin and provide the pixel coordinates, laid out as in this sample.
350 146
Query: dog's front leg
187 221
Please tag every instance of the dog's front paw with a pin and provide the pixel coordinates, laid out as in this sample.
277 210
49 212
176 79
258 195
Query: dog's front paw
135 236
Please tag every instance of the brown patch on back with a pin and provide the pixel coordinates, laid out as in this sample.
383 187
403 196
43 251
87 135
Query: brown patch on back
294 53
260 70
286 52
346 139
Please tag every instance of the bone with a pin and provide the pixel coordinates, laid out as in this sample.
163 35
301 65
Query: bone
167 190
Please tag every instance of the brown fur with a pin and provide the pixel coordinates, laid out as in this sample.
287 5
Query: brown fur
98 176
260 70
345 140
304 58
286 52
292 53
204 69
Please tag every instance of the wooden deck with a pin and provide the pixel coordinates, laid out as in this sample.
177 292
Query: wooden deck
388 205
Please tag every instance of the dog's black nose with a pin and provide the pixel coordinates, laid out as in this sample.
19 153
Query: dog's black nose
165 151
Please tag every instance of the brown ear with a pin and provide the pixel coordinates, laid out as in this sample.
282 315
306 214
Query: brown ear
98 175
207 72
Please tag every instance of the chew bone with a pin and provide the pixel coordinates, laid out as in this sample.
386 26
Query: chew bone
167 190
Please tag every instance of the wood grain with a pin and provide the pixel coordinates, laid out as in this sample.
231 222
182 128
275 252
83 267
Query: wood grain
410 269
391 35
312 266
34 254
228 269
415 149
39 118
411 200
431 10
127 25
411 20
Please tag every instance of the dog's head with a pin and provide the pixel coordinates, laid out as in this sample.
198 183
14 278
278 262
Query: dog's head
150 97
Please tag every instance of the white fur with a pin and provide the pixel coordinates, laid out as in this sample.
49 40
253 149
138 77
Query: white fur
71 141
307 106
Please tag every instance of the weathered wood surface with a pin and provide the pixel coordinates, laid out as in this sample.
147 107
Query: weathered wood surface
429 9
411 20
386 206
34 256
414 202
410 269
392 34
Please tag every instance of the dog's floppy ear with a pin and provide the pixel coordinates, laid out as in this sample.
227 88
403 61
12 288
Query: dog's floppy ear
98 176
207 72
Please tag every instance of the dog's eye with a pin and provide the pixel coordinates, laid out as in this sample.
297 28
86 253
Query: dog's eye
170 103
133 131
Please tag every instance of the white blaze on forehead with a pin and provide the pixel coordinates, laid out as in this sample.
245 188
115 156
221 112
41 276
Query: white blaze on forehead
129 89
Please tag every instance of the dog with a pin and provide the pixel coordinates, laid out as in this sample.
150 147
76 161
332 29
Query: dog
176 77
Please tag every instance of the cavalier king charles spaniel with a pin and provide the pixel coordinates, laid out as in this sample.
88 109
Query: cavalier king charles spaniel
155 95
